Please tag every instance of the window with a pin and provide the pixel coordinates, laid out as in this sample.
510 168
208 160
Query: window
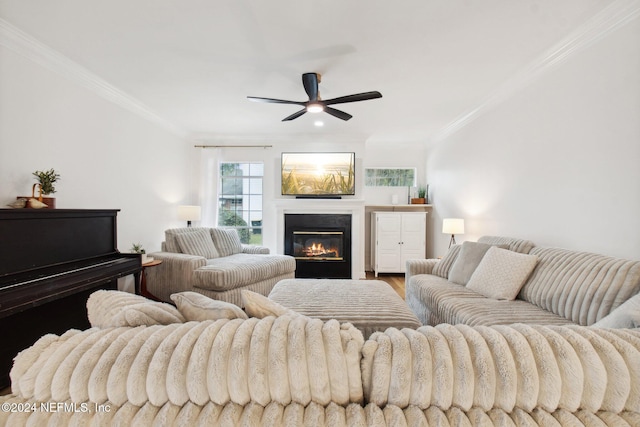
240 200
390 177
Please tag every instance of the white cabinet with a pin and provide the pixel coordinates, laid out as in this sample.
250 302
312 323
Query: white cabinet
395 238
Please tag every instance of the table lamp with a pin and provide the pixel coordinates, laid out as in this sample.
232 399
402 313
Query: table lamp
189 213
453 226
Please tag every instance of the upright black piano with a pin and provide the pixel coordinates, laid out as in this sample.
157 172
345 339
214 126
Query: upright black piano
51 260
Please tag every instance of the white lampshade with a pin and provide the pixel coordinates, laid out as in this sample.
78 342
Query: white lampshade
189 213
453 226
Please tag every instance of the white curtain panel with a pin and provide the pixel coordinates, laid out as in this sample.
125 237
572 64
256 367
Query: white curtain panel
210 165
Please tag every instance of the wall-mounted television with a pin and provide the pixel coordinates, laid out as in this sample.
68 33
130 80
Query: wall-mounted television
318 174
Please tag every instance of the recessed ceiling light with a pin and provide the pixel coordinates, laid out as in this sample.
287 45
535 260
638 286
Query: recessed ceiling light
318 123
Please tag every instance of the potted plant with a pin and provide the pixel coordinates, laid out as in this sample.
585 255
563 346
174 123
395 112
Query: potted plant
46 183
137 248
421 199
45 186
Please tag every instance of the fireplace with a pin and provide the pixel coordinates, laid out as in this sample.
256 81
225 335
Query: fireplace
320 243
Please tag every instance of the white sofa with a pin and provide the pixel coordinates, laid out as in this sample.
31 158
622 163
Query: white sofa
213 262
565 287
143 365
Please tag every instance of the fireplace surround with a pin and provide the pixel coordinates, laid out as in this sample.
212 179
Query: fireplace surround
320 243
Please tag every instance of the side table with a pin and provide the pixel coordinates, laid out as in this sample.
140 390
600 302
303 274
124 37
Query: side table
143 281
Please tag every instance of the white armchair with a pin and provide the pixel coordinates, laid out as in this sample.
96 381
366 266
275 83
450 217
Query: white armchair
213 262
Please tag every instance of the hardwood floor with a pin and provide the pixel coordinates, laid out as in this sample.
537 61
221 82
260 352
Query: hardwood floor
395 280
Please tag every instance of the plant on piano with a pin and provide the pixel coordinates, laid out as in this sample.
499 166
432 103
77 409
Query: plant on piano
46 179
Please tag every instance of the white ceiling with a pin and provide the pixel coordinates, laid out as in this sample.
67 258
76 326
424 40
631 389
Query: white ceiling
194 62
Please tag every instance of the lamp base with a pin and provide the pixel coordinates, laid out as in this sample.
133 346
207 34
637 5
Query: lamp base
452 241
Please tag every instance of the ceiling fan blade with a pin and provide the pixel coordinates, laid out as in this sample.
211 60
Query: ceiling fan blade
353 98
295 115
310 83
274 101
337 113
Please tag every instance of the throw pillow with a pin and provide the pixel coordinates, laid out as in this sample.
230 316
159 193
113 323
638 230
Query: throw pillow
468 260
502 273
115 308
197 243
170 242
197 307
226 241
627 315
260 306
442 267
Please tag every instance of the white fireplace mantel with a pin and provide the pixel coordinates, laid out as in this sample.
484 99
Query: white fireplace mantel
354 207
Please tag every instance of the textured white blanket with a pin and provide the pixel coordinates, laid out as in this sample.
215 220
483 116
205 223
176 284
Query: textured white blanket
301 371
267 360
504 367
312 415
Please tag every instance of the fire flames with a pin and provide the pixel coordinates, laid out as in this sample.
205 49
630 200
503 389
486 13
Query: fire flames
317 249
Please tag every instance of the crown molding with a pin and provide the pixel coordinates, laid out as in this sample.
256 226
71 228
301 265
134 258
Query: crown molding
611 18
32 49
278 138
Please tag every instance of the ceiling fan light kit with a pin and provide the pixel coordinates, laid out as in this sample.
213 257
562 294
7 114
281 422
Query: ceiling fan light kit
315 104
315 108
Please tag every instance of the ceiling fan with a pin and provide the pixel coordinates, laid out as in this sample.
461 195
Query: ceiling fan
315 104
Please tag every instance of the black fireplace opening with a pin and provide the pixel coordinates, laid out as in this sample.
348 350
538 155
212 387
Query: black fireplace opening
320 243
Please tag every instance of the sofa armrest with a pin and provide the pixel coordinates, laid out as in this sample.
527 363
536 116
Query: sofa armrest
174 274
419 266
254 249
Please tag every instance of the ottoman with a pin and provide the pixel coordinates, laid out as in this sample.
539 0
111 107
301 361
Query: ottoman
369 305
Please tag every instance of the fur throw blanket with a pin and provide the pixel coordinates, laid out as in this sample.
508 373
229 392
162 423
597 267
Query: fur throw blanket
504 367
313 415
267 360
301 371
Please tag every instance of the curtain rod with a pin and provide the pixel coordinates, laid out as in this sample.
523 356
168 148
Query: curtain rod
233 146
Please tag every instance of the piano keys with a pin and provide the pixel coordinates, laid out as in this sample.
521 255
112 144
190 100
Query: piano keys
51 260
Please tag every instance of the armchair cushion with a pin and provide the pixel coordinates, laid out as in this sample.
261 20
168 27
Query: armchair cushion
198 242
255 249
227 241
234 271
170 243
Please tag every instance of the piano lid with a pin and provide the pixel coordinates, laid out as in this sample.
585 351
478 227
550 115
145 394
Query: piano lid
36 238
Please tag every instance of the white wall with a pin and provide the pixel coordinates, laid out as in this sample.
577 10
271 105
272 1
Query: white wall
558 162
107 156
394 154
